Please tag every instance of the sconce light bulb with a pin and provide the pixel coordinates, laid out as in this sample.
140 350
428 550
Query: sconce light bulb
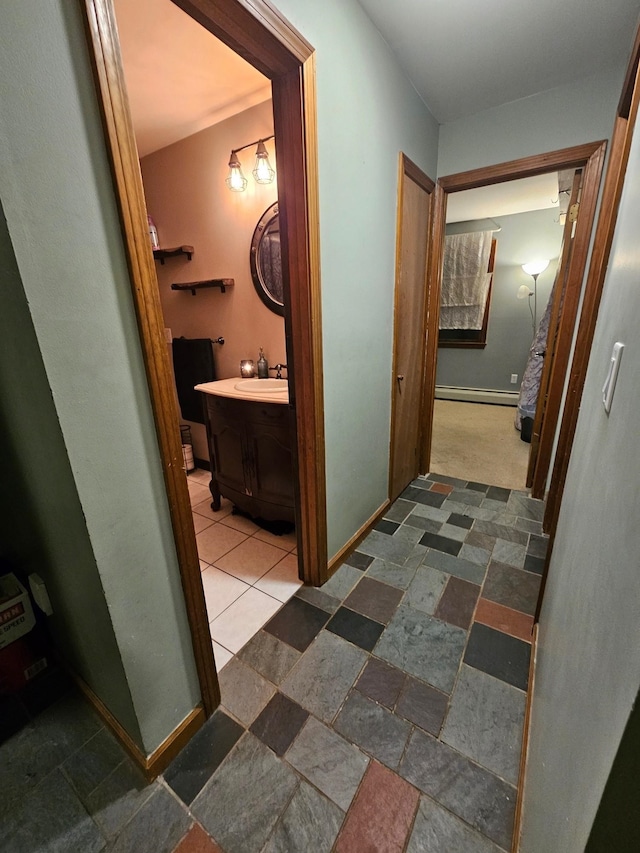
235 180
262 171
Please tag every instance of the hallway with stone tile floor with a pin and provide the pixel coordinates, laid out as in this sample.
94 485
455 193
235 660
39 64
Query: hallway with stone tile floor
382 712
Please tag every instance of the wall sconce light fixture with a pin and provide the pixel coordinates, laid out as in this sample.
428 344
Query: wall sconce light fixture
263 173
534 268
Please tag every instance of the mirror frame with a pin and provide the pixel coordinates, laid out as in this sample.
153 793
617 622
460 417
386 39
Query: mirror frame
267 218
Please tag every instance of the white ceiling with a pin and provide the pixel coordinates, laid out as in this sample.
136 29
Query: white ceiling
465 56
180 79
538 193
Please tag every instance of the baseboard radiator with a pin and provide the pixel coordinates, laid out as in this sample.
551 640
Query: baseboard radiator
477 395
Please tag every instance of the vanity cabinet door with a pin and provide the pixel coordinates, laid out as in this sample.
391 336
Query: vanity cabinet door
225 429
269 453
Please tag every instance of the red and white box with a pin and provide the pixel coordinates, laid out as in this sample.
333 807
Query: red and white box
16 613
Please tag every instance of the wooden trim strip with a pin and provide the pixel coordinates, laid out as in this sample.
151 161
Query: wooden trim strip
614 181
357 538
107 66
524 752
154 764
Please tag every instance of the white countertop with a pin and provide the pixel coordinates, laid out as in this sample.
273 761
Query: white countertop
227 388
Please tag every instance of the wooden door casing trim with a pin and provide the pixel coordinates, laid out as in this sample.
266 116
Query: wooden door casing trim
408 169
259 34
589 157
605 229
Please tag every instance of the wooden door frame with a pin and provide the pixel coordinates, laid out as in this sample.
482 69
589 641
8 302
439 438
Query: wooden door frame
623 129
258 33
408 169
590 157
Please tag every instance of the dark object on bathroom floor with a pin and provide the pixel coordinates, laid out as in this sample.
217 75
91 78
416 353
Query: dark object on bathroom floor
278 528
526 429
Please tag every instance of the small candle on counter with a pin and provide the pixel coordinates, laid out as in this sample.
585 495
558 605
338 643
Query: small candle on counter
247 368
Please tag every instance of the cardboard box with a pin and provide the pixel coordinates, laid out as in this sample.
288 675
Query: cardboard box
16 613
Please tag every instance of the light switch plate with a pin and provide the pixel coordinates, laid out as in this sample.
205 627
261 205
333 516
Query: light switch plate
612 376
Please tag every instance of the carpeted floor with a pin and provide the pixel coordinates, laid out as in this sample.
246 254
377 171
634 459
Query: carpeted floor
478 442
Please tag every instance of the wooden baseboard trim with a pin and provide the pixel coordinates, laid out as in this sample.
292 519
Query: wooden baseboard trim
524 753
151 765
357 538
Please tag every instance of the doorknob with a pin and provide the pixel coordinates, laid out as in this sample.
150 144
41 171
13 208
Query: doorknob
399 377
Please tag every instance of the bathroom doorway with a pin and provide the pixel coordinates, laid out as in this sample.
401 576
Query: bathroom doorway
272 46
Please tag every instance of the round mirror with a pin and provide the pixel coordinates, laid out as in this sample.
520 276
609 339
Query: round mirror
266 263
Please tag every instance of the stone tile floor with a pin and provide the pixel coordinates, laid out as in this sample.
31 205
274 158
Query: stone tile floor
383 712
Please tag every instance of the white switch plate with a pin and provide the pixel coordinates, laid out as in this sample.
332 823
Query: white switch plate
514 378
167 335
612 376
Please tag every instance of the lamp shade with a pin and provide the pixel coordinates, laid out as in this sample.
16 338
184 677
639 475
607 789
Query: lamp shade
535 267
523 292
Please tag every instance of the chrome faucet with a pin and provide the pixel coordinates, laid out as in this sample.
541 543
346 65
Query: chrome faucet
279 368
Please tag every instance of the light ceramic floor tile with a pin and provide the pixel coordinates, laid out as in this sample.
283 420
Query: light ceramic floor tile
198 475
204 508
221 655
287 541
200 523
198 493
250 560
203 565
282 581
239 522
216 541
220 590
239 622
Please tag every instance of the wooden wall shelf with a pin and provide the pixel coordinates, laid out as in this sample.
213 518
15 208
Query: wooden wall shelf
222 283
161 254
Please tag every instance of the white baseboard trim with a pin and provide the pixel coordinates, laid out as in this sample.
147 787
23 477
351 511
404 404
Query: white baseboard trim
477 395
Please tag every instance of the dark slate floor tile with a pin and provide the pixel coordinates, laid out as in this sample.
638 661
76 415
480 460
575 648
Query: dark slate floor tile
477 487
498 654
374 729
466 496
460 520
450 481
421 483
386 526
343 581
441 543
279 723
423 705
390 548
457 602
469 791
529 526
496 493
88 767
436 830
310 822
194 765
512 587
374 599
538 545
269 656
423 646
501 531
429 525
244 691
318 598
485 722
357 629
359 561
239 808
525 507
13 717
50 818
468 570
297 623
324 675
421 496
156 828
381 681
399 510
534 564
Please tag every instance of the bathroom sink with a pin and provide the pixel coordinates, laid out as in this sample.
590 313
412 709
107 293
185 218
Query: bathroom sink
259 386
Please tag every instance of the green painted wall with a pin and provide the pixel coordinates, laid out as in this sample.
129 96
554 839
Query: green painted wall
60 209
42 528
367 113
588 668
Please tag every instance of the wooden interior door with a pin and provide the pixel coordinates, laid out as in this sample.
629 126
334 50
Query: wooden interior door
540 454
415 194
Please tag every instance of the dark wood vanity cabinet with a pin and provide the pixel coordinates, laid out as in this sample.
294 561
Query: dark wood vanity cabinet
250 452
